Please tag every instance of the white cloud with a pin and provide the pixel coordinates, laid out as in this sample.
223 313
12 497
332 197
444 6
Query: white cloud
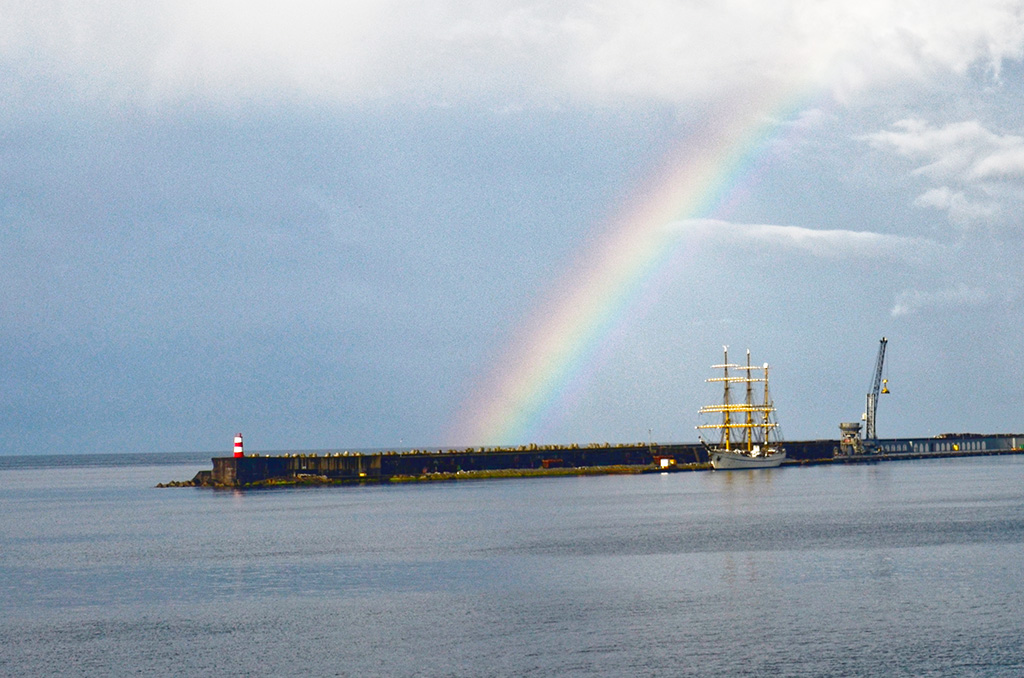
822 243
1001 164
926 262
962 210
984 167
914 301
368 49
963 150
939 198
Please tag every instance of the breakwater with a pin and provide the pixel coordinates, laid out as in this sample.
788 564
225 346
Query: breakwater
342 467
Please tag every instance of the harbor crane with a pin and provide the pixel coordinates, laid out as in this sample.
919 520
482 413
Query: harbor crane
878 385
851 442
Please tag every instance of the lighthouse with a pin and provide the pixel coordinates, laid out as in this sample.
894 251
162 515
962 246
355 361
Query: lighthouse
238 445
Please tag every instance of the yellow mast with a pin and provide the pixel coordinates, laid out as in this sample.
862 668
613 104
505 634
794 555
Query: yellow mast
753 426
725 398
750 411
767 405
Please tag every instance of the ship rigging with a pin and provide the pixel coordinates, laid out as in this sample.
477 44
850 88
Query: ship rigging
747 430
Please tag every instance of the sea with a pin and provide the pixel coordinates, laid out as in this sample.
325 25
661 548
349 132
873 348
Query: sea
908 568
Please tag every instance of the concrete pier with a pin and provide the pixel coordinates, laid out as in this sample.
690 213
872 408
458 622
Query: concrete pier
382 466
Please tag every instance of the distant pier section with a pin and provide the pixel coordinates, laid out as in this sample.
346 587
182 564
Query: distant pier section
354 467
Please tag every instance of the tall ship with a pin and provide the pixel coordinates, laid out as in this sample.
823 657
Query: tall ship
747 434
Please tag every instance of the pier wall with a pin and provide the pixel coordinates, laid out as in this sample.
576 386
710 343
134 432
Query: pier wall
253 469
356 467
236 471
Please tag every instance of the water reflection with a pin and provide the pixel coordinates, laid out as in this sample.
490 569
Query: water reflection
790 571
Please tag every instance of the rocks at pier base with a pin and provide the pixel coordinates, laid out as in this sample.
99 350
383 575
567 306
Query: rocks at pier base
201 479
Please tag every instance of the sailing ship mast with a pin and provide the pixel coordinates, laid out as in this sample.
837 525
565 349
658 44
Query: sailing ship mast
749 430
755 430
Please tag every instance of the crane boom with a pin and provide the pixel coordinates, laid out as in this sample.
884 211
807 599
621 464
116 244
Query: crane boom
876 386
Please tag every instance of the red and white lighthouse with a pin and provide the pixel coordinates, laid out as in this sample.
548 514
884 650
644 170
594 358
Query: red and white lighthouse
238 445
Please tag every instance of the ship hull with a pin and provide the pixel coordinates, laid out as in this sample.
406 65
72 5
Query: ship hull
727 461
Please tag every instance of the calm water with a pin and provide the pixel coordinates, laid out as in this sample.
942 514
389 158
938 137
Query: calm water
897 569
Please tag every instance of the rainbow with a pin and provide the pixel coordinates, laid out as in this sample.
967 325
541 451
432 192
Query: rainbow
570 327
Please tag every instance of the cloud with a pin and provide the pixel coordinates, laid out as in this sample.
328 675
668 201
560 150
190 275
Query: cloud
1007 163
965 151
821 243
368 50
986 168
914 301
917 259
962 210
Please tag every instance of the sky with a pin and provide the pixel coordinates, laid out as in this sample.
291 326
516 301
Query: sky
388 224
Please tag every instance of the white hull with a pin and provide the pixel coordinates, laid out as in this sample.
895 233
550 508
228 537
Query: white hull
725 461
